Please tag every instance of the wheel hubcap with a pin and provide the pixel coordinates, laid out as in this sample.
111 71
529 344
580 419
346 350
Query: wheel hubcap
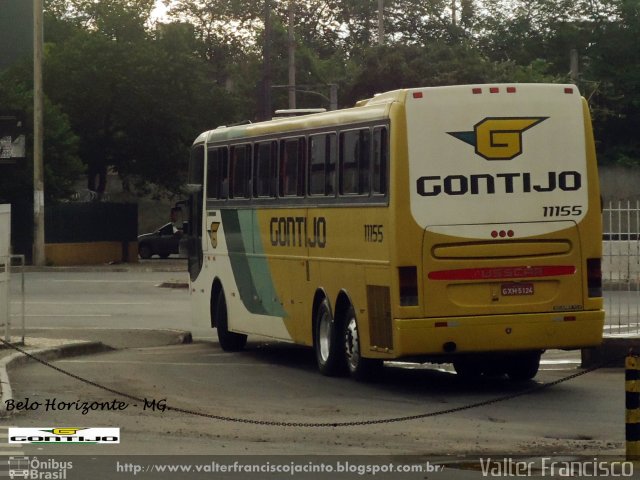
324 332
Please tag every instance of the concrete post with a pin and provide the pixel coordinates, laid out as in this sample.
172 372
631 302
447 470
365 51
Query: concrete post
632 401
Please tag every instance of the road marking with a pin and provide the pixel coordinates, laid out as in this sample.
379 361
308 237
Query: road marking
140 362
64 315
560 362
18 302
96 281
4 434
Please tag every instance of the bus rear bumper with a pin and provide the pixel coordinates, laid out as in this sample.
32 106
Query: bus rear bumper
497 333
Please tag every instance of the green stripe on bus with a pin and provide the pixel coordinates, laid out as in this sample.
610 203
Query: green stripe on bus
251 271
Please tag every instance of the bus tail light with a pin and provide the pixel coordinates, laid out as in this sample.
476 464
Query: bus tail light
594 277
408 277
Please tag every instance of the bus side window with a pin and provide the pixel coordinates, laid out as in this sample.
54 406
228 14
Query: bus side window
331 159
217 173
322 164
240 171
355 146
264 170
292 178
380 160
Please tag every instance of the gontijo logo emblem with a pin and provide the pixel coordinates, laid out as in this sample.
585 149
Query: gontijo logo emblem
498 138
64 435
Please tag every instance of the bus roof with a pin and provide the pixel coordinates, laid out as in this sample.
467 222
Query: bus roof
373 109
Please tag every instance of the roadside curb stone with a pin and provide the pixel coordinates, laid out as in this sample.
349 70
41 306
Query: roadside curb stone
54 349
58 349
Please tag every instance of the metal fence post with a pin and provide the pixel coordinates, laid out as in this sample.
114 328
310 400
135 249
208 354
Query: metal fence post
21 259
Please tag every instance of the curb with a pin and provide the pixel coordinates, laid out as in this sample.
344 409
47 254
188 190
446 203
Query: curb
62 351
53 353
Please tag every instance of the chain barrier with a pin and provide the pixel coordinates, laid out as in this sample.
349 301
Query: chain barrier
355 423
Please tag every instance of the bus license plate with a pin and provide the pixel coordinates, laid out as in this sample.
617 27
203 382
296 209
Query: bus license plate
514 289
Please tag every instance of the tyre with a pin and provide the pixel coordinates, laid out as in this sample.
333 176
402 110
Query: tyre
362 369
163 255
524 366
144 251
327 342
468 368
229 341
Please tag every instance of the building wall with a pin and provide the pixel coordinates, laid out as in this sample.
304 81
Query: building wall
619 183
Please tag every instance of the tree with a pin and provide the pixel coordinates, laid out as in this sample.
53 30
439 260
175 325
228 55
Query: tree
136 102
62 165
614 74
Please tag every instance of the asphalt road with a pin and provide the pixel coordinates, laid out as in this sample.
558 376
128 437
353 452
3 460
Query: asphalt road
212 393
278 383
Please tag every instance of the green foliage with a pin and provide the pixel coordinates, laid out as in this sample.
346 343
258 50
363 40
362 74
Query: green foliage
62 165
146 101
135 94
614 71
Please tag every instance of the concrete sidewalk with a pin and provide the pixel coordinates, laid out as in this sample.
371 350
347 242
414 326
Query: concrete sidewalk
53 344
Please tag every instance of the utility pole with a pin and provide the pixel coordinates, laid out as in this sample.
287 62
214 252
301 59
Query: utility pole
266 63
292 58
380 22
38 127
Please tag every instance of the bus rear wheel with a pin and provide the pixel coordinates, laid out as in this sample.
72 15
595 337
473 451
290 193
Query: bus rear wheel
229 341
468 368
360 368
524 366
327 344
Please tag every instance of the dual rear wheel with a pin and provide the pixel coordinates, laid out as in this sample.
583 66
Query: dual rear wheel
337 345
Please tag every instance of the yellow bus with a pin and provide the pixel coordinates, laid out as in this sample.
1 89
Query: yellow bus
453 224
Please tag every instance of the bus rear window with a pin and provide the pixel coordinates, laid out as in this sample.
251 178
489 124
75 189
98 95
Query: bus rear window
380 156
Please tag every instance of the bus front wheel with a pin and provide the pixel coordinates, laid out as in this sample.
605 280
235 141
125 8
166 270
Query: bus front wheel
360 368
229 341
327 344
